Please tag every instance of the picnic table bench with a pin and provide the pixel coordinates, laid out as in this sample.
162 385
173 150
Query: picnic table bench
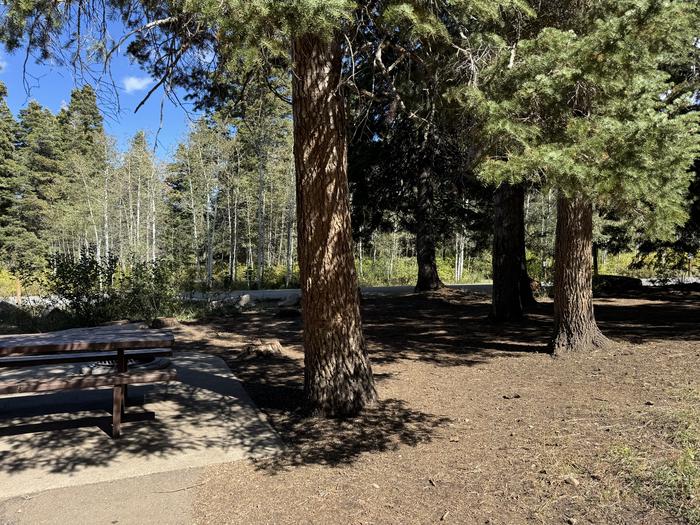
85 345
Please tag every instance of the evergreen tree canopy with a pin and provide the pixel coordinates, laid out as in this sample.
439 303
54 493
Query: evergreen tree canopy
82 122
584 108
22 211
8 167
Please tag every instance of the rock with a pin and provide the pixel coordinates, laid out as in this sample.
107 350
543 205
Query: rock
56 318
165 322
513 396
571 480
571 521
612 284
262 347
290 300
244 300
8 310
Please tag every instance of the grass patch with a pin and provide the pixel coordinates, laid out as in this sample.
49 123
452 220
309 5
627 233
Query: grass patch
666 472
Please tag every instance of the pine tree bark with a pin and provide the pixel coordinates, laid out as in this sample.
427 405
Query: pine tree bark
575 327
338 377
428 277
511 294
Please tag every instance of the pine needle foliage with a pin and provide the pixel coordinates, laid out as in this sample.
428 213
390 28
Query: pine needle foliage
583 107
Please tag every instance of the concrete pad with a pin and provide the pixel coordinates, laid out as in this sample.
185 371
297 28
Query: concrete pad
54 440
157 499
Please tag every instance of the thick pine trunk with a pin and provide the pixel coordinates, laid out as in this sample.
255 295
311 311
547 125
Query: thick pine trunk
574 323
337 377
428 278
511 283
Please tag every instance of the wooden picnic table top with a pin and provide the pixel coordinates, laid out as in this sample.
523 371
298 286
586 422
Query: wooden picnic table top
99 338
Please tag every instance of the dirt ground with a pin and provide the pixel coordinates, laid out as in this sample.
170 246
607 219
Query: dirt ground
476 423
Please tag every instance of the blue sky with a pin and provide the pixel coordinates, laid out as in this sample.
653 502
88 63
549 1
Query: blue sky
51 87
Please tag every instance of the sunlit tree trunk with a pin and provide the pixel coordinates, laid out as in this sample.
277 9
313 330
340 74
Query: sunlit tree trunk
575 327
337 377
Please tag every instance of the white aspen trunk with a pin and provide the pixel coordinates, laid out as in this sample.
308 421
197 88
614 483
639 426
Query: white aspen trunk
261 220
456 269
234 247
120 233
391 258
374 250
249 238
291 213
290 255
280 239
359 252
229 222
195 239
153 217
208 226
527 206
105 216
92 219
461 255
138 218
542 233
130 218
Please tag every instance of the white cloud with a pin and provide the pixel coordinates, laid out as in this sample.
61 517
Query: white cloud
134 84
3 64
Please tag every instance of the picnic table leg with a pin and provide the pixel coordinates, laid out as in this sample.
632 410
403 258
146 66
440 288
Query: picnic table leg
119 397
117 410
122 365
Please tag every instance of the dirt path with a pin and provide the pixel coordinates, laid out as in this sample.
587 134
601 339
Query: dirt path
477 424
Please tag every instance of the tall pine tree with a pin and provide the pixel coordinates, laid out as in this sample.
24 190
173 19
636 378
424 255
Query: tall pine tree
584 110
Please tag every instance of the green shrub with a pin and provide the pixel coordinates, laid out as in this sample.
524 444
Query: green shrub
85 285
148 290
95 292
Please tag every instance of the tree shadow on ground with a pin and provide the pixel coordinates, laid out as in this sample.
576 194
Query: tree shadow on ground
385 426
445 328
276 385
448 328
658 314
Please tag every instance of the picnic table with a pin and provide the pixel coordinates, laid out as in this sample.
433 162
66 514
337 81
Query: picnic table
84 345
